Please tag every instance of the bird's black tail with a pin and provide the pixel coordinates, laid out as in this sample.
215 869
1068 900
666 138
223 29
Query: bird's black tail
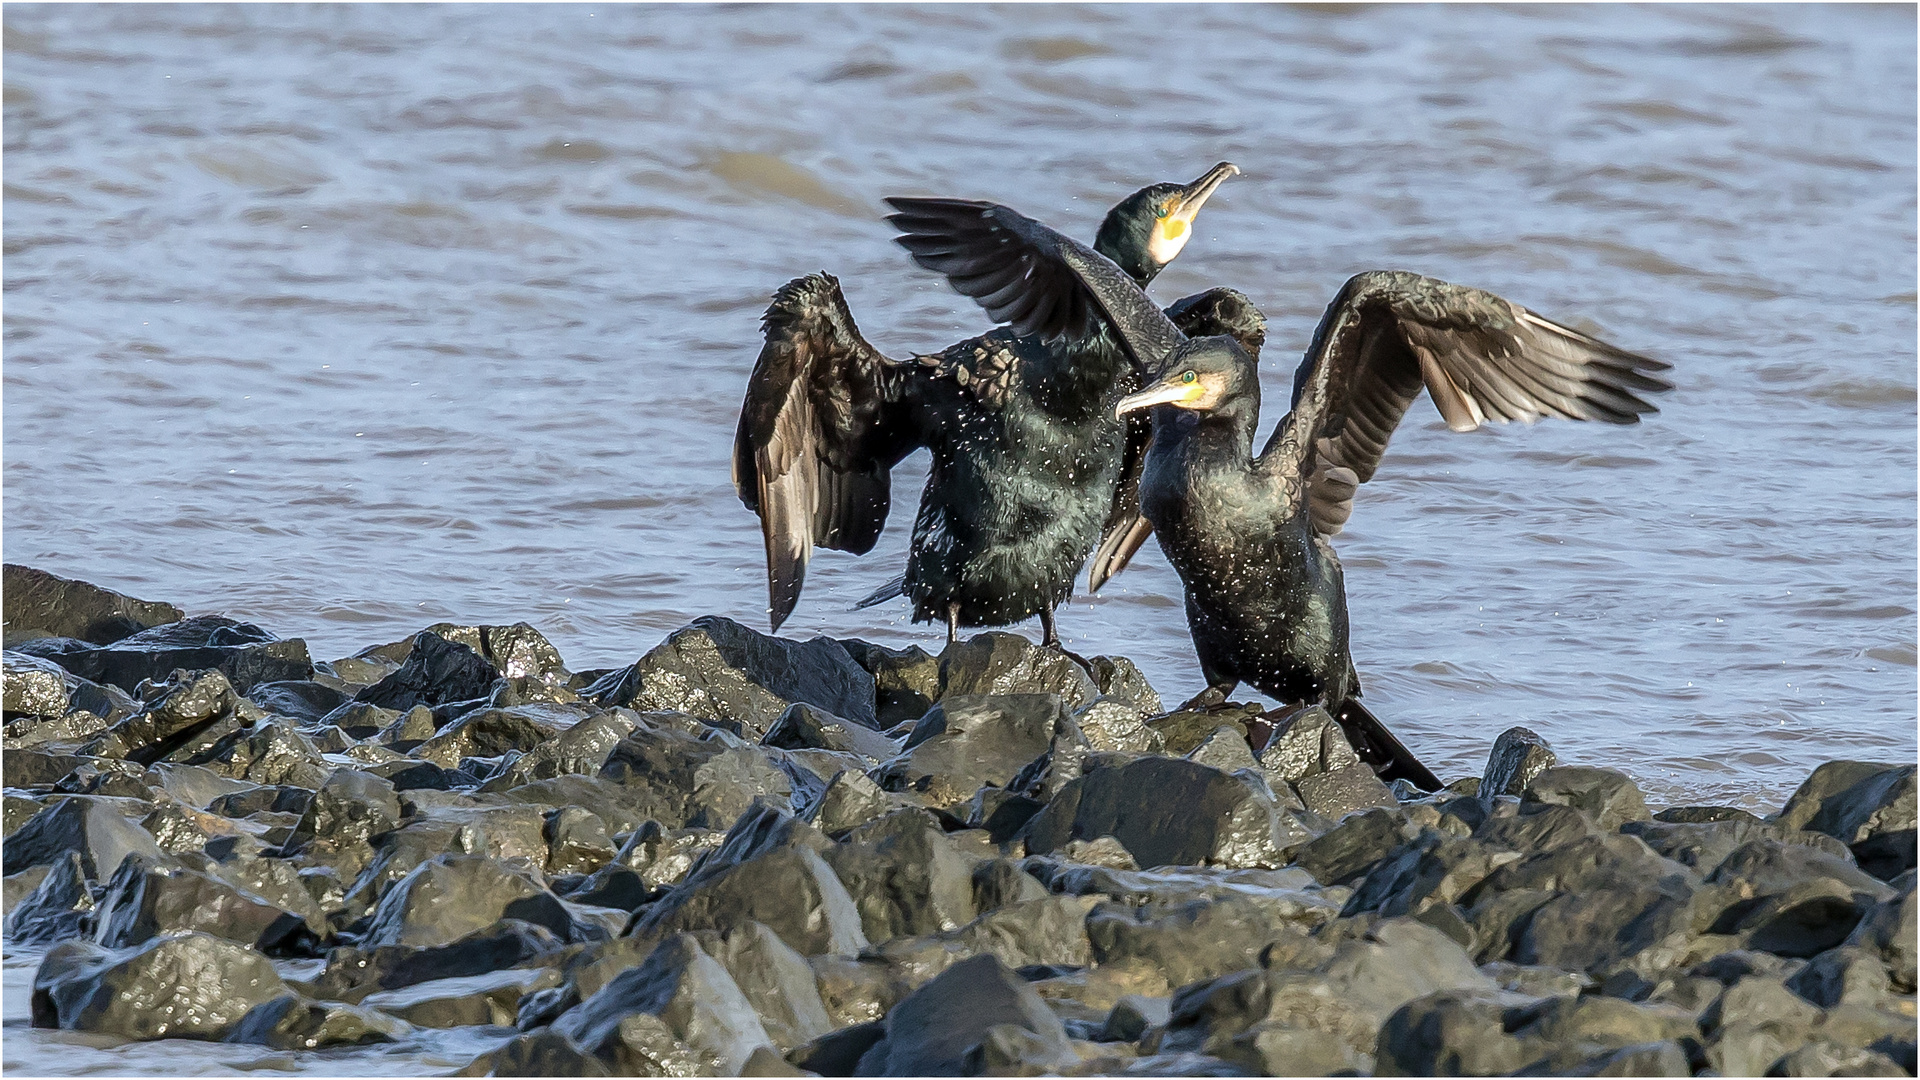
896 587
1378 747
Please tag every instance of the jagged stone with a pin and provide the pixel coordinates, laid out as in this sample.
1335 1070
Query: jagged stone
271 752
1888 931
354 973
243 652
32 686
775 980
1346 853
577 842
582 748
291 1022
144 900
1606 795
677 1014
91 826
933 1031
719 670
1450 1033
185 705
1518 757
1117 725
302 700
1120 679
492 732
966 741
185 986
351 807
790 889
681 781
450 896
1000 663
39 604
1196 815
59 908
1305 742
804 727
905 877
1200 939
491 998
1336 793
1868 807
435 672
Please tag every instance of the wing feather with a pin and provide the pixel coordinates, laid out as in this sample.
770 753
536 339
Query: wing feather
1389 334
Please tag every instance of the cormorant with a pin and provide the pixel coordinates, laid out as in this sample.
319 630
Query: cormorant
1266 602
1027 451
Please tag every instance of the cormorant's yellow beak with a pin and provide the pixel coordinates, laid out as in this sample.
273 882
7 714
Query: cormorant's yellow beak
1171 228
1169 392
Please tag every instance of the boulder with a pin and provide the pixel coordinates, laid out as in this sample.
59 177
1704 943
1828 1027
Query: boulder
435 672
1339 792
804 727
291 1022
1305 741
39 604
582 748
1195 815
493 732
59 908
302 700
516 652
719 670
1118 725
774 979
450 896
906 681
1519 756
144 900
491 998
243 652
676 1014
1200 939
967 741
1000 663
904 876
1870 808
192 986
93 827
1346 853
1605 795
354 973
1119 680
936 1030
351 807
1450 1033
790 889
185 705
681 781
1888 931
32 687
577 842
270 752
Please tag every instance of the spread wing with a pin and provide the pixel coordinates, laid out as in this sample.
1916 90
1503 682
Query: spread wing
1042 283
1216 311
1389 334
825 420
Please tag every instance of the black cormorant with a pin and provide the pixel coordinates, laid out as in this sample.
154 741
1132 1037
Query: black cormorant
1027 451
1266 601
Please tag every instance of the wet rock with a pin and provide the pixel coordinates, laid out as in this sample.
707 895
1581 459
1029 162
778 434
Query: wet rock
544 1052
74 727
1870 808
582 748
291 1022
1117 725
271 752
577 842
1132 1015
450 896
1606 795
243 652
905 877
516 652
1119 680
1562 1034
91 826
254 799
39 604
1665 1058
1889 932
1519 756
1348 852
681 781
33 686
144 900
838 1052
677 1014
492 998
107 776
1000 663
774 979
1196 815
1433 868
302 700
790 889
1290 893
60 907
934 1031
435 672
1847 975
192 986
1305 742
1340 792
967 741
1823 1058
1000 882
179 830
1201 939
352 974
1049 932
1753 1024
1800 922
185 705
1450 1033
1704 845
35 768
351 807
717 669
408 728
906 681
492 732
1766 866
804 727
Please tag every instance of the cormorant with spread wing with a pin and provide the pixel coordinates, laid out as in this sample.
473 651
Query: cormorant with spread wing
1027 450
1249 536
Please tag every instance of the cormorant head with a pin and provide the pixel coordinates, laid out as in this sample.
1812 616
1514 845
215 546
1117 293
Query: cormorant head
1204 375
1147 229
1221 311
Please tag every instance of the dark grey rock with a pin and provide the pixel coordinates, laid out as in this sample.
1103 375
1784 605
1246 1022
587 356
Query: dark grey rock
1433 868
1201 939
838 1052
408 728
905 877
774 979
193 986
1117 725
254 799
582 748
301 699
18 887
1049 933
1000 663
144 900
934 1030
804 727
60 907
33 686
352 974
244 653
1119 679
493 732
1518 757
1340 792
543 1052
185 705
1888 930
1541 827
91 826
1000 882
450 896
271 752
1606 795
65 731
435 672
1196 814
1766 866
1132 1015
291 1022
1450 1033
682 781
1872 812
906 681
351 807
1802 921
1822 1057
516 652
719 670
1305 742
1846 975
790 889
492 998
676 1014
577 842
967 741
44 605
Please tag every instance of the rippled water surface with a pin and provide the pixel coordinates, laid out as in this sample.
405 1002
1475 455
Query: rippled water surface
346 320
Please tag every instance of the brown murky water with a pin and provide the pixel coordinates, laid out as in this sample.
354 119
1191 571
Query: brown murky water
346 320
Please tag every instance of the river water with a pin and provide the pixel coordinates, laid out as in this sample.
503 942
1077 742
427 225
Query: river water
346 320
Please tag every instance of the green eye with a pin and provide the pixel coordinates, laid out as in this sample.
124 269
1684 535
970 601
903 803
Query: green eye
1162 212
1188 377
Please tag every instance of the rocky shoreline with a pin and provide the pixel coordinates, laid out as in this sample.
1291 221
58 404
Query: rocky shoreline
749 855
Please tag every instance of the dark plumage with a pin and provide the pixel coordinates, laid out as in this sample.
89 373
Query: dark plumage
1266 601
1027 451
